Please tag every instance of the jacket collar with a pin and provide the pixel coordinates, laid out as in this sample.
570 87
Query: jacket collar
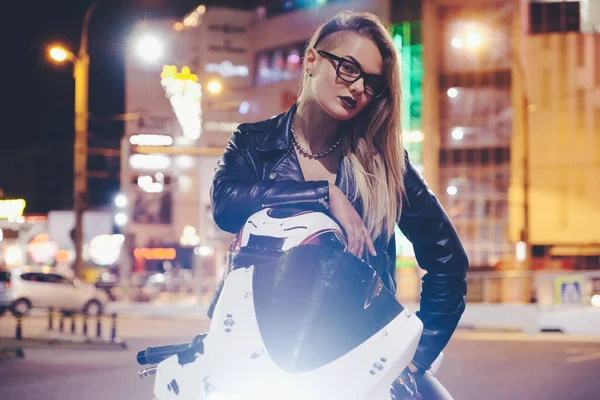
278 133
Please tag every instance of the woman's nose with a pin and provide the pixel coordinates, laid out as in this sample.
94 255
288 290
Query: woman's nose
357 87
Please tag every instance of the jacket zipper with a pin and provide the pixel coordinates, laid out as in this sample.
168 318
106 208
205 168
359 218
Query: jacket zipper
321 201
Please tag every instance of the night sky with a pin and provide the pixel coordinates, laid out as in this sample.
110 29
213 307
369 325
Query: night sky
37 112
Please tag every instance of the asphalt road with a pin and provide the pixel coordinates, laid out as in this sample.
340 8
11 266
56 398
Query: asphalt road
477 366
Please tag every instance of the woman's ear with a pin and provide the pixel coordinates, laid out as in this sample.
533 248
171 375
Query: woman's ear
310 58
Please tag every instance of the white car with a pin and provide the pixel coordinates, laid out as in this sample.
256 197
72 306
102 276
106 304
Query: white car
25 288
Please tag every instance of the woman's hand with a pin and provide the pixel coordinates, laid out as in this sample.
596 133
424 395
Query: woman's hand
356 232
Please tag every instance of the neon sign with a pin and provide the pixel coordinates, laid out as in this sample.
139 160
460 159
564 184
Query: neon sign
151 140
155 253
184 93
12 208
149 161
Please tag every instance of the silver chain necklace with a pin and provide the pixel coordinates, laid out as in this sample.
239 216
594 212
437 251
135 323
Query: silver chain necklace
310 154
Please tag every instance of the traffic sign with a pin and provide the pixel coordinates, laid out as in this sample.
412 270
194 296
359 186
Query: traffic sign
569 289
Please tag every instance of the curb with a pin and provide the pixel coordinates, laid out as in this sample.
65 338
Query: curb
64 343
162 312
163 316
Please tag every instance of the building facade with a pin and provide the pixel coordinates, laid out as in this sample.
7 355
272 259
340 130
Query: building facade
485 64
561 58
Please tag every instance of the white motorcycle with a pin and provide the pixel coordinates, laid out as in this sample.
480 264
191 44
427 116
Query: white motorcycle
297 318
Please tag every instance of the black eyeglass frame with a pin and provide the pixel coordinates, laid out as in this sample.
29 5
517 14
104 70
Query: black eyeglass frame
362 74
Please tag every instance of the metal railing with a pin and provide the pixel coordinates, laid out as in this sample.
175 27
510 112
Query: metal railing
545 288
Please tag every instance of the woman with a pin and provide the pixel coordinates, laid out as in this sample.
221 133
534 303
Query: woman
340 146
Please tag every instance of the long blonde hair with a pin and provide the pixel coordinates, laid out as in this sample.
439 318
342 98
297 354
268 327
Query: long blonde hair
372 140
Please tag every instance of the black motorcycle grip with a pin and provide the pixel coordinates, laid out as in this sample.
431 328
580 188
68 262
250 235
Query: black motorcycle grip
154 355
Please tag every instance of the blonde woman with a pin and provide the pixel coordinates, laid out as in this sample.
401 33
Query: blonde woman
340 146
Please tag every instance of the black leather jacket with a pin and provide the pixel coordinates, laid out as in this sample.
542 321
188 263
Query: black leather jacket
259 168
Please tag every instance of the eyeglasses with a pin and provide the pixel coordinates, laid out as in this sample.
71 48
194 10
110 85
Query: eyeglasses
349 71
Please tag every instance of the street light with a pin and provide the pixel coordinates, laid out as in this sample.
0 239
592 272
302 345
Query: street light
121 200
149 48
214 87
458 133
81 63
120 219
59 53
472 38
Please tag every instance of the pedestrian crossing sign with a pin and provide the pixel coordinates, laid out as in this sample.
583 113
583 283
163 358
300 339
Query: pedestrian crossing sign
569 289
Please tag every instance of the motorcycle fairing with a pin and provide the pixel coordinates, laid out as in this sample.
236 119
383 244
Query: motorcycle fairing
239 361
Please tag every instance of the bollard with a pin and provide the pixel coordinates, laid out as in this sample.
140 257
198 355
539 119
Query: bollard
113 331
98 326
61 323
19 333
73 324
85 325
50 318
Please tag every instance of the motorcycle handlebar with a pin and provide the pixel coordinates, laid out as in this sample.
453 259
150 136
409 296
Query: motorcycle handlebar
154 355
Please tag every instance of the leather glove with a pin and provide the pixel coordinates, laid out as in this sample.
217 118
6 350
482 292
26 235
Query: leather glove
405 387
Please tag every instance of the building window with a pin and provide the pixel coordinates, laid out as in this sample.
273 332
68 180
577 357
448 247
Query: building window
475 117
547 17
476 198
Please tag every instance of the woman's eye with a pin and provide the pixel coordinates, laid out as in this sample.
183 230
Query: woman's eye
349 68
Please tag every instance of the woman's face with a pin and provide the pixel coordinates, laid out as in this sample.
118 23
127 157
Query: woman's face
341 99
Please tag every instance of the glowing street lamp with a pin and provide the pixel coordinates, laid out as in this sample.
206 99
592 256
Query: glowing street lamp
457 43
214 87
81 63
458 133
470 39
452 190
59 53
120 219
120 200
149 48
473 39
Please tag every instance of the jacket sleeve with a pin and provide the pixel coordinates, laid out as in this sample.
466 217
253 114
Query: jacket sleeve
237 192
439 252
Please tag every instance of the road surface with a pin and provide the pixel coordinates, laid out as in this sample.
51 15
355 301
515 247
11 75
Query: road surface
489 366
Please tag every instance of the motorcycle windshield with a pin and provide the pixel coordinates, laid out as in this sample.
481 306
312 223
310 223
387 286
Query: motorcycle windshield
316 304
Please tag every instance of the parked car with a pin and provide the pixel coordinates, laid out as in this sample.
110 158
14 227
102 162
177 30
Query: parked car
27 288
